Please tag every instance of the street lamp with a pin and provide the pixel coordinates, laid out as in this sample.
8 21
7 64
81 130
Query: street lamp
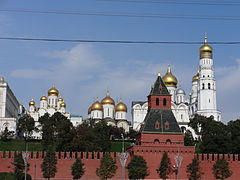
25 156
123 156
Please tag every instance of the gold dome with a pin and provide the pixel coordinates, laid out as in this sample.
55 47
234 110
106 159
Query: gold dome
169 79
97 106
108 100
63 105
195 78
121 107
43 98
32 103
53 92
89 110
205 50
60 100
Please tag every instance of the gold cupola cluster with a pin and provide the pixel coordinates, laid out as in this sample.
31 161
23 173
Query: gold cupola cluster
43 98
107 100
53 92
169 79
205 50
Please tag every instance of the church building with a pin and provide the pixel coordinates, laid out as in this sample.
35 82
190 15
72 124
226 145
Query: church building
50 104
107 110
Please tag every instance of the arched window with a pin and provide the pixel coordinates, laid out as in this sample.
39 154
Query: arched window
156 141
108 111
203 87
168 140
164 101
209 86
183 129
157 101
181 116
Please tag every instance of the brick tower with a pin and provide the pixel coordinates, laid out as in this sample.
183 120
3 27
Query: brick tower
161 133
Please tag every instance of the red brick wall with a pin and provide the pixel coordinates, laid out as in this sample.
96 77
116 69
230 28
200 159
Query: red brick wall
152 102
152 155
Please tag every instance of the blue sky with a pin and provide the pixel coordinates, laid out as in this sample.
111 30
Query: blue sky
84 71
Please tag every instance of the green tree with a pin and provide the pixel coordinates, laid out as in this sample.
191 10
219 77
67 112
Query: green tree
107 168
214 136
48 131
19 167
78 169
193 170
188 138
49 163
234 129
26 126
221 169
137 168
6 135
165 168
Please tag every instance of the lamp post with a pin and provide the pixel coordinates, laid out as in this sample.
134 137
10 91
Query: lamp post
123 158
178 160
25 156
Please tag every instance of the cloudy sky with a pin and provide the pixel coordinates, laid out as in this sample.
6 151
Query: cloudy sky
85 71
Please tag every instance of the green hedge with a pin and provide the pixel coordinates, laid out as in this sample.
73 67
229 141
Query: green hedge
19 145
10 176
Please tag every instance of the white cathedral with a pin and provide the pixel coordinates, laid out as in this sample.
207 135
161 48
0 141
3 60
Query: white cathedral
202 99
50 104
114 115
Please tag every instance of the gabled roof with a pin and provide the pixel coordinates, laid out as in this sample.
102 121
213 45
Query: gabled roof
159 87
161 121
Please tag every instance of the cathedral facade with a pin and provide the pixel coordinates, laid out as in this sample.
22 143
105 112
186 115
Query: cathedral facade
10 108
107 110
202 99
50 104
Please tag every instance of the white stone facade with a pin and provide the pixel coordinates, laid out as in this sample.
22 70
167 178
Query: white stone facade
10 108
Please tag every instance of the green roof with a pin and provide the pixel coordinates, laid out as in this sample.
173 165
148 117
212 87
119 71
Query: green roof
160 121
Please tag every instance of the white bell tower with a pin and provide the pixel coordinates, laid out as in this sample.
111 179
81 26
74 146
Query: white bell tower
207 105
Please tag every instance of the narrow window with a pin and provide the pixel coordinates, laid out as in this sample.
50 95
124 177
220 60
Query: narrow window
108 111
164 101
181 116
157 101
209 86
203 86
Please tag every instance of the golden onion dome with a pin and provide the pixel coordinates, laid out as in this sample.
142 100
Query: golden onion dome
205 50
32 103
63 105
169 79
89 110
60 100
43 98
108 100
53 92
121 107
195 78
97 106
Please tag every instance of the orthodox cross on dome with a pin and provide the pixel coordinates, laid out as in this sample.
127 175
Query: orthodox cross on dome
205 37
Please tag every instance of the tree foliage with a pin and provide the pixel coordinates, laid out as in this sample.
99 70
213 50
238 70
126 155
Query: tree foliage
221 169
19 167
26 126
188 138
193 170
107 167
49 163
165 168
78 169
137 168
214 136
